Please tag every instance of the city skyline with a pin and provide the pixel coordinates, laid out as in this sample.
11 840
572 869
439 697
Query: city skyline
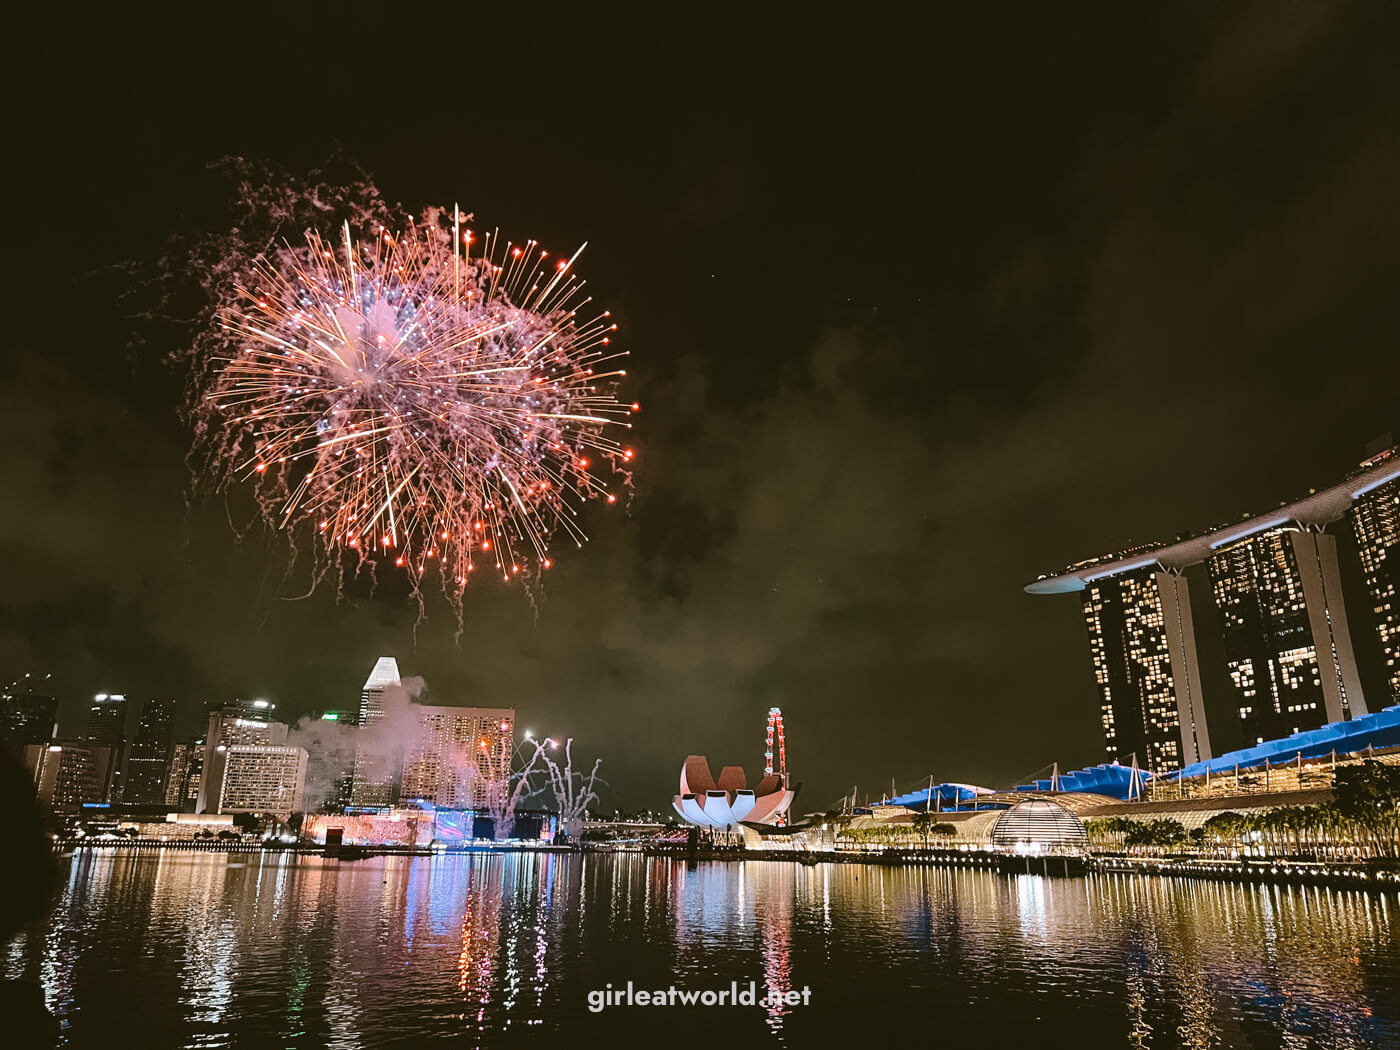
1136 605
877 395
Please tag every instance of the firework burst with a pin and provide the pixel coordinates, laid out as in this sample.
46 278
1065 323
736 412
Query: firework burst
426 398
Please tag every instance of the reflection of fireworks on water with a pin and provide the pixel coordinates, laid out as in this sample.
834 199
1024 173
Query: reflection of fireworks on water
429 398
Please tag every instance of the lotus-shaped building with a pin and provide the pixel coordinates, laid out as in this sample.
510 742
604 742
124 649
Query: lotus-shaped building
727 803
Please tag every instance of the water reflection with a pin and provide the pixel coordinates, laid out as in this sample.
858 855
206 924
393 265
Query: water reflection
200 949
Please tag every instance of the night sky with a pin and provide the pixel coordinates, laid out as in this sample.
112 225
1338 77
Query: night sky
918 311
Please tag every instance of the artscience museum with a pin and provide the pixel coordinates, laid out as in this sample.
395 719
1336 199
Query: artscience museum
726 803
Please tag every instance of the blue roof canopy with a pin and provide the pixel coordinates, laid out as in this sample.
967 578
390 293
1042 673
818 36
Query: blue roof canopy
939 797
1380 730
1113 780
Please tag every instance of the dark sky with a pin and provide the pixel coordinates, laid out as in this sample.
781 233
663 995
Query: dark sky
918 311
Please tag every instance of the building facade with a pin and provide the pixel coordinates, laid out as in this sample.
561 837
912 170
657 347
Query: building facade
177 775
1143 648
258 778
106 727
70 773
1288 648
384 674
375 780
194 777
460 757
148 761
1376 522
232 723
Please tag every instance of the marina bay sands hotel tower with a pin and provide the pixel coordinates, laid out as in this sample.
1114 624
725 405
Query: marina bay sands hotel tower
1277 592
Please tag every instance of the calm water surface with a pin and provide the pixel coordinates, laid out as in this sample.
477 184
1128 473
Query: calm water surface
191 949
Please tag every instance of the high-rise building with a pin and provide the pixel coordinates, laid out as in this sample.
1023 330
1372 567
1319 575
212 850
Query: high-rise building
27 718
177 775
70 773
460 756
194 777
1277 589
384 674
106 727
1376 521
1144 654
376 758
260 778
234 722
148 761
1287 647
106 723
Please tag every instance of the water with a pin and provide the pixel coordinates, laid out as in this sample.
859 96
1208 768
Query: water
194 949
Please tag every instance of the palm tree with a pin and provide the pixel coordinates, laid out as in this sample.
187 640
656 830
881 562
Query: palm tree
923 822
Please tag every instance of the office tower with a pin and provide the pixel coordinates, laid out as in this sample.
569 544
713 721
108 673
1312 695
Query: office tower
106 723
177 775
259 778
194 777
1144 654
459 757
26 719
106 727
1376 521
376 754
234 722
70 773
148 761
1287 647
384 674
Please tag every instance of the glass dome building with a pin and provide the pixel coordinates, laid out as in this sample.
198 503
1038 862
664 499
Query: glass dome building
1039 826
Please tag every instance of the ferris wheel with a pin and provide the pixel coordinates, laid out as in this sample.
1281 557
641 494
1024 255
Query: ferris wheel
775 731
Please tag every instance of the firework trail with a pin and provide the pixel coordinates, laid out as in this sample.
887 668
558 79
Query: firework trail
428 398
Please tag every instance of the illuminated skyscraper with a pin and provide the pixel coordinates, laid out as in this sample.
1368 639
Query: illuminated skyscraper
384 674
106 727
1376 520
70 773
177 775
148 763
235 722
376 755
106 724
1277 589
1145 667
1287 647
194 777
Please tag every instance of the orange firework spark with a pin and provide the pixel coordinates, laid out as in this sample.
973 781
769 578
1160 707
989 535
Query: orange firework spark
421 398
